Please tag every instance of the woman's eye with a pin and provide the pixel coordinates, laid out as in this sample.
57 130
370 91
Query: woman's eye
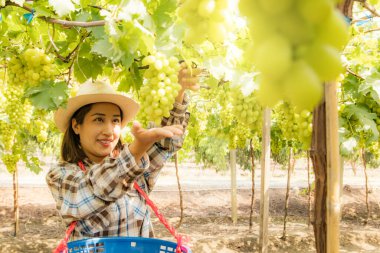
117 121
98 119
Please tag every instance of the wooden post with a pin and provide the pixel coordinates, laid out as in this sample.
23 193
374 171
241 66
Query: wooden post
333 169
264 194
253 183
16 209
308 188
290 169
233 186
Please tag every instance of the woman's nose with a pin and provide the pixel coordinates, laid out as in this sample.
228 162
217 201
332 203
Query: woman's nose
108 128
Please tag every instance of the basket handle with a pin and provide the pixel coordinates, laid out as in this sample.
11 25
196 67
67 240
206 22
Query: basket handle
62 246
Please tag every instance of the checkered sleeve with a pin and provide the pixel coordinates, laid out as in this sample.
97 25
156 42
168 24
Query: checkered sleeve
161 151
78 195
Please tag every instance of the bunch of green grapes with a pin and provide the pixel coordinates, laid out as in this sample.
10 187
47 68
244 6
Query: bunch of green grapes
304 121
207 19
246 109
294 126
238 136
30 68
160 88
10 161
39 129
296 47
39 125
19 110
7 134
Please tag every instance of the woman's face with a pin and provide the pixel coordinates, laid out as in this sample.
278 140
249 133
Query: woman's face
100 130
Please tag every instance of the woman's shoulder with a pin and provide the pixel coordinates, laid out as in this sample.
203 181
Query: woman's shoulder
63 166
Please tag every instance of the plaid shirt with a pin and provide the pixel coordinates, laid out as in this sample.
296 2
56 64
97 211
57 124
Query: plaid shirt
102 200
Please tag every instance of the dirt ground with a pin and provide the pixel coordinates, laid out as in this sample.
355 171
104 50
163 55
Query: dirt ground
206 220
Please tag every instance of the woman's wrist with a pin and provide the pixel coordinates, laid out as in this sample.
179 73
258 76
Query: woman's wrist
138 149
180 96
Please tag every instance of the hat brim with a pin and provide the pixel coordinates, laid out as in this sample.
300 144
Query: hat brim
128 107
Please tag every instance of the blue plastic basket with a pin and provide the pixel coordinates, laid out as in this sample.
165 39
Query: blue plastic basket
123 244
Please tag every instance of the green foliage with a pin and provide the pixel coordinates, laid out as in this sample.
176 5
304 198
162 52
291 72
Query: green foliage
212 152
133 29
49 95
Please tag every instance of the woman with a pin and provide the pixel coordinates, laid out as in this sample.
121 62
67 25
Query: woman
92 185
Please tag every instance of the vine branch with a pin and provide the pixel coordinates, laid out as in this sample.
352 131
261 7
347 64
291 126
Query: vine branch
369 7
64 23
372 30
354 74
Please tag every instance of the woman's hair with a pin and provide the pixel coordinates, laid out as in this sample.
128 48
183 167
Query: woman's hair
71 150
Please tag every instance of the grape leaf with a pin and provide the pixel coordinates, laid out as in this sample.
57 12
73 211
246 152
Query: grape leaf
366 119
34 164
104 48
49 95
62 7
348 146
164 14
19 2
85 68
42 10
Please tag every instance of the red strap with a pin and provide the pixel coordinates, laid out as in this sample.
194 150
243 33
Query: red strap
62 246
178 237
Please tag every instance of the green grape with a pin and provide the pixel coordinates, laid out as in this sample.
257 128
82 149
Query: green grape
325 60
302 86
275 53
295 29
206 8
269 93
216 32
334 30
275 7
160 88
315 11
247 7
207 20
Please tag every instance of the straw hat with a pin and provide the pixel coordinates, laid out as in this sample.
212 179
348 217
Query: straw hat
96 92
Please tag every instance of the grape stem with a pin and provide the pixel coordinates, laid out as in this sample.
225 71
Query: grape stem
354 74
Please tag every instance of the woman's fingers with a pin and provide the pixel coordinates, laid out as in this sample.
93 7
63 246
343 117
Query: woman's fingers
175 129
191 71
155 134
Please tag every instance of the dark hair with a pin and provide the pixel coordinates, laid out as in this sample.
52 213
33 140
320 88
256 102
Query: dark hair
71 150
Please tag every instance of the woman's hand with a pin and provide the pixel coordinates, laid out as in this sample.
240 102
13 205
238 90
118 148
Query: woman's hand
144 138
188 79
